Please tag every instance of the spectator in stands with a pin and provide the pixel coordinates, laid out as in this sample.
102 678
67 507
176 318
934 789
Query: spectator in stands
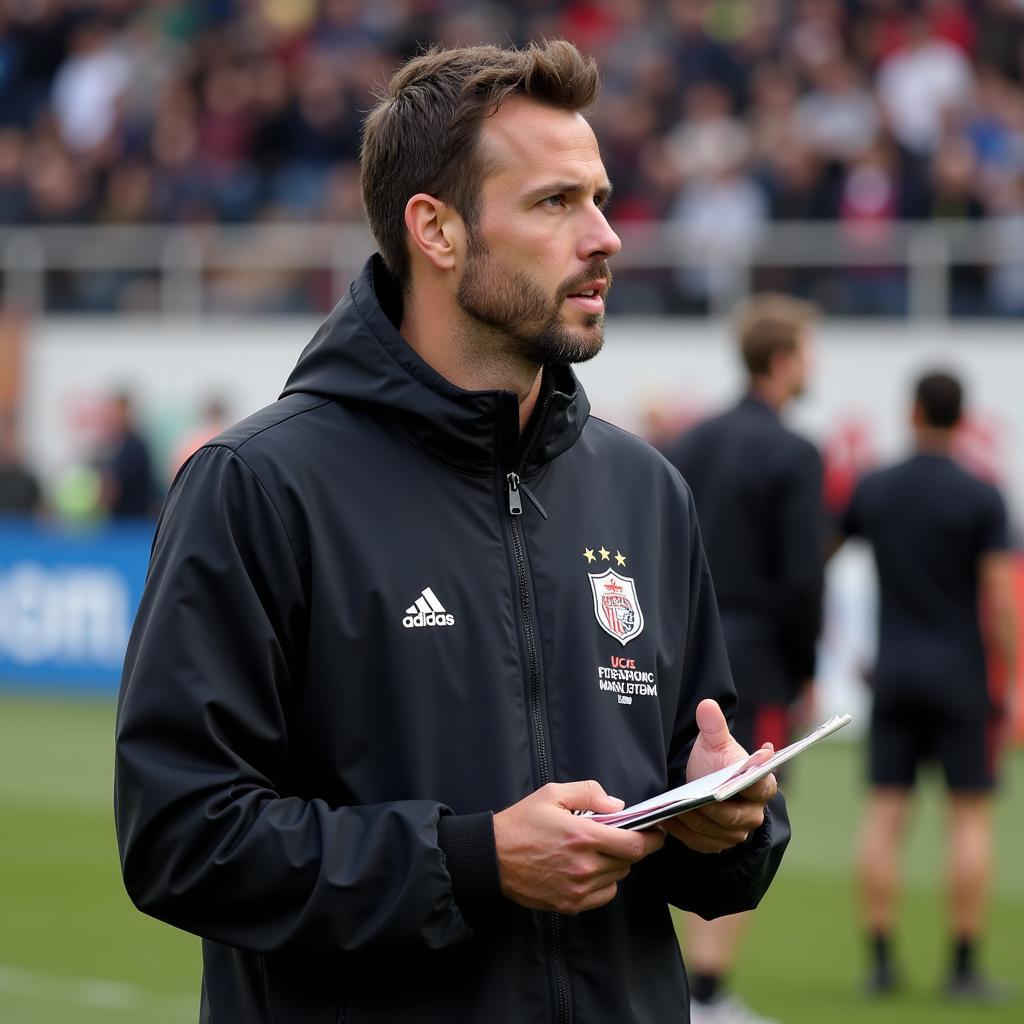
1004 201
869 206
88 87
920 85
13 189
953 194
838 118
720 219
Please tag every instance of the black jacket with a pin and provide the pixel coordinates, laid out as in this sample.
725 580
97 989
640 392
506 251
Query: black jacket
350 654
758 488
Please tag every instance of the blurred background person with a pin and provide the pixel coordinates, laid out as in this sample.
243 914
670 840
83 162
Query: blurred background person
758 489
213 420
127 489
20 493
940 543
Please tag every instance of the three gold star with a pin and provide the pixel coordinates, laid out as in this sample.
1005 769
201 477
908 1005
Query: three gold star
606 555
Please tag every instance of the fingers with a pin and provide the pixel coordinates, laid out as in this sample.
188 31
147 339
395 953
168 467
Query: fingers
622 844
717 827
759 756
595 899
583 796
696 840
760 792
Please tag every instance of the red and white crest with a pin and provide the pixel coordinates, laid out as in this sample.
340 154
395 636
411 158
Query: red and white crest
616 605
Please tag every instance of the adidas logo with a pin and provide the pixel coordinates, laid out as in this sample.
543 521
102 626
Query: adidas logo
427 611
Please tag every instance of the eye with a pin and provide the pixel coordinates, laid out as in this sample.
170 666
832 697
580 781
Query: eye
553 202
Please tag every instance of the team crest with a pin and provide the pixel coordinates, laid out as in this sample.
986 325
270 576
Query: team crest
616 605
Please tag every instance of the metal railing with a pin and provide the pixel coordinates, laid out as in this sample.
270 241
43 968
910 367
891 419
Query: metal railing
182 260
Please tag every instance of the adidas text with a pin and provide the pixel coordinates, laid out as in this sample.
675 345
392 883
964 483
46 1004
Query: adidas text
428 619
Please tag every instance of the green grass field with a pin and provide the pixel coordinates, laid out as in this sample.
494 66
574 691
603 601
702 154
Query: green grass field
73 949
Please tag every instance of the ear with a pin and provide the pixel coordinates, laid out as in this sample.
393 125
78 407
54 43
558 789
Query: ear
436 230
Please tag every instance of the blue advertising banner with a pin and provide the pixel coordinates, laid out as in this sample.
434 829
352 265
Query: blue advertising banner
67 601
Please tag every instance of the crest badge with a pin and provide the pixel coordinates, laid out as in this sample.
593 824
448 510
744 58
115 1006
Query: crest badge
616 605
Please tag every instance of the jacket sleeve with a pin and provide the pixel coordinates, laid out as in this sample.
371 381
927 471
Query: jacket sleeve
210 836
713 885
802 557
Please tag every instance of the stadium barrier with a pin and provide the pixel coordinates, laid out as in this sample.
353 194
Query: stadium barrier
187 264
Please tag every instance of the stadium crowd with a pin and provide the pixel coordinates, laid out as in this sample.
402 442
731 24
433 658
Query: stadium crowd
720 116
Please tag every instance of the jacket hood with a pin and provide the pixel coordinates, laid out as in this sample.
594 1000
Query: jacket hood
358 357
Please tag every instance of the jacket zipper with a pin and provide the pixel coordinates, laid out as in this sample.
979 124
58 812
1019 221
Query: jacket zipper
553 922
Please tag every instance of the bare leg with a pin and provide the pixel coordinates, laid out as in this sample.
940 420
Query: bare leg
970 862
971 857
878 860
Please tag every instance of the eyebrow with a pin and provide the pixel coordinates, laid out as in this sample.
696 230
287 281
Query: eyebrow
602 194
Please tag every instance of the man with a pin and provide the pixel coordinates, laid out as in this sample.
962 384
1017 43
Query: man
940 543
757 486
127 486
20 493
401 624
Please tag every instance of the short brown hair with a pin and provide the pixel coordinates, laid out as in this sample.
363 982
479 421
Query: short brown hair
768 323
422 135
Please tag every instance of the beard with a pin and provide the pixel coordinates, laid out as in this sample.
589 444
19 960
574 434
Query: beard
522 314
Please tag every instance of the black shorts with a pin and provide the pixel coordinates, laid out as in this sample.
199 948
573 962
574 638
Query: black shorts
906 732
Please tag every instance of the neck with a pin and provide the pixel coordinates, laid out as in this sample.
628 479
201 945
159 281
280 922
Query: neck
770 391
471 355
933 440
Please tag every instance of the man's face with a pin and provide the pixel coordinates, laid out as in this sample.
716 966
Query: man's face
536 268
801 364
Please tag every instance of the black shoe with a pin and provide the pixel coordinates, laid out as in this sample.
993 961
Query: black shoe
975 988
881 981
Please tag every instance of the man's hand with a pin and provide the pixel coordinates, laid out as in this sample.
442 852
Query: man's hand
720 826
550 859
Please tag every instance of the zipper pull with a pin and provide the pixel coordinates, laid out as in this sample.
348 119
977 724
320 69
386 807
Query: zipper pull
515 503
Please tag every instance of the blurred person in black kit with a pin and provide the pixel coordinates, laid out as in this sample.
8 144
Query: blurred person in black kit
758 490
20 493
941 546
127 484
399 625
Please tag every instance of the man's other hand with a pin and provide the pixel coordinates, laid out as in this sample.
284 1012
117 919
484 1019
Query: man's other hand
720 826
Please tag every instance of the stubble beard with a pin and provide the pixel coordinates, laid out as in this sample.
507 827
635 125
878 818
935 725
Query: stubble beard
522 315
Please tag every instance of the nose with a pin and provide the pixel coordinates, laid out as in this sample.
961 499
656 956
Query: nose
600 240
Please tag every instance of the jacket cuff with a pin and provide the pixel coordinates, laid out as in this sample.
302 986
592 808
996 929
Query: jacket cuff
471 860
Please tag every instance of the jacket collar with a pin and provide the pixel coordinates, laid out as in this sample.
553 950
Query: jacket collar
358 358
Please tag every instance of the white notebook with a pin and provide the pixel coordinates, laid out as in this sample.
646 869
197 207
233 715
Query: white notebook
720 785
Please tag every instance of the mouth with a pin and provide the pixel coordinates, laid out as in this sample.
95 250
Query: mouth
590 296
